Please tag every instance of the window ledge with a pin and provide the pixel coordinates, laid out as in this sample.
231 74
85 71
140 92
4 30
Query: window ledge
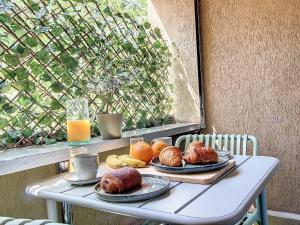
19 159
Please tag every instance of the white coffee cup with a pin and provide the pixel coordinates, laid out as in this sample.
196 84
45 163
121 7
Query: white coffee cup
85 166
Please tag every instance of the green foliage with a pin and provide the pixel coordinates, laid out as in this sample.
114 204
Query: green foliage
51 55
11 60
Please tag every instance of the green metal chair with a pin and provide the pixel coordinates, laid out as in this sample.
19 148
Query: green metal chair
236 144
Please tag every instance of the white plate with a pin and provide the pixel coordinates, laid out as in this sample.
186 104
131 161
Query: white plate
73 179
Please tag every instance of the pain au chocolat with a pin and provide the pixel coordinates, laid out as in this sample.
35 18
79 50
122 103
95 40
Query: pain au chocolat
121 180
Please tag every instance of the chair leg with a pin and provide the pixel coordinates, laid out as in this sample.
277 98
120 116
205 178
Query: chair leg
262 208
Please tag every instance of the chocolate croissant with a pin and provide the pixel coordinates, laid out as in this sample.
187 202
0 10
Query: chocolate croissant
197 154
170 156
121 180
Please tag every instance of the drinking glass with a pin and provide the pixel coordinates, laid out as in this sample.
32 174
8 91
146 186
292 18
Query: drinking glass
135 140
78 122
167 140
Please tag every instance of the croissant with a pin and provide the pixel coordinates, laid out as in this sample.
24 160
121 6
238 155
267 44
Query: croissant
196 143
121 180
197 154
170 156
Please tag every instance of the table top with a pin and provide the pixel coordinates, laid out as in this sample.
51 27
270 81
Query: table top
223 202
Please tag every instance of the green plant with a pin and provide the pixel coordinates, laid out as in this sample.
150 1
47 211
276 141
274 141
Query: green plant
105 86
51 49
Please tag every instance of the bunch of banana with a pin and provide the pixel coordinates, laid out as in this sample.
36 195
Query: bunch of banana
131 161
115 161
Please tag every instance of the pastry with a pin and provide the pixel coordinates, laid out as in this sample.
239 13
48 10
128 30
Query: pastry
197 154
197 143
121 180
170 156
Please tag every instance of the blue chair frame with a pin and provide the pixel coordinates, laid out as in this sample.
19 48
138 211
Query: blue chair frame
237 144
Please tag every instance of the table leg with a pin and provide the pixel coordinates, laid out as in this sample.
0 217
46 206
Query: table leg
263 208
52 210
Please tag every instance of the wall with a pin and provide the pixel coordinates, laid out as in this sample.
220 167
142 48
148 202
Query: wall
251 57
176 20
13 200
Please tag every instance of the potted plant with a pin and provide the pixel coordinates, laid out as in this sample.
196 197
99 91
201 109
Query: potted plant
105 86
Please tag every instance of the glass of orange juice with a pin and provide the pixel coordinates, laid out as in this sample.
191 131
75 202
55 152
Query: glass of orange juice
135 140
78 122
167 140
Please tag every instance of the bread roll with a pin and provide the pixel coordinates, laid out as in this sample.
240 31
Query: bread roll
121 180
170 156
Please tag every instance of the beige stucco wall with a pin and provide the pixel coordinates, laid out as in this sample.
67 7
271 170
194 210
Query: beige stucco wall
251 53
176 20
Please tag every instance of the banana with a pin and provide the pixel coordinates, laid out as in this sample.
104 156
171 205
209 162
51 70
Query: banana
113 162
131 161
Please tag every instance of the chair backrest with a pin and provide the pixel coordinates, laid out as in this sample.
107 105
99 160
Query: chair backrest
237 144
13 221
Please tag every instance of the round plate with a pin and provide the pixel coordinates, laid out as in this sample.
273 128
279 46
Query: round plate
73 179
188 168
152 186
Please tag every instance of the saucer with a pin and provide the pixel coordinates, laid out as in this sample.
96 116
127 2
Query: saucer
73 179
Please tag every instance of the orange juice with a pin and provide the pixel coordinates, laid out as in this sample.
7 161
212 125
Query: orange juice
130 148
78 130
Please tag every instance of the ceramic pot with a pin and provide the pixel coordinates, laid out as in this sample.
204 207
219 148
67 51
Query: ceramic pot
110 125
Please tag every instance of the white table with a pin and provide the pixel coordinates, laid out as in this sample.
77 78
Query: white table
224 202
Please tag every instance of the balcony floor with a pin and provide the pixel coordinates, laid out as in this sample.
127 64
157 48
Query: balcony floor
281 221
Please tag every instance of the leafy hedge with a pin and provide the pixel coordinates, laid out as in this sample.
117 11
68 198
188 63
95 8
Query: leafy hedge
51 50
